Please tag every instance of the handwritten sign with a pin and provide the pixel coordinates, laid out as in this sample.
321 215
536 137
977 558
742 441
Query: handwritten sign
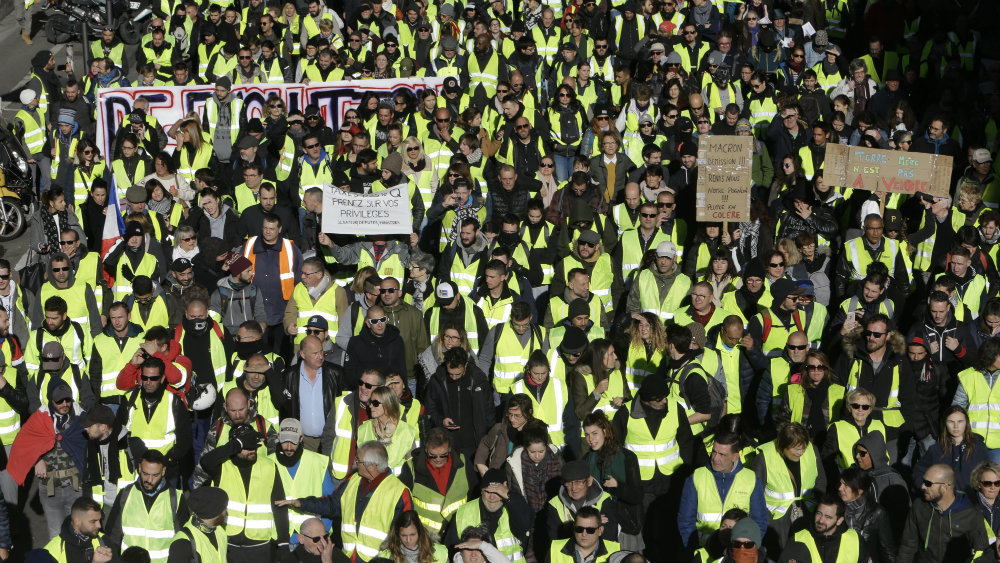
887 171
382 213
725 176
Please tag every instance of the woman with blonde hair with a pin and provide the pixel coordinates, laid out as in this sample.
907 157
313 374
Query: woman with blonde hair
193 151
647 345
968 203
410 542
356 291
985 481
384 426
844 433
417 167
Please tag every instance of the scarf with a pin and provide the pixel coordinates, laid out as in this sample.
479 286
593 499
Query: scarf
162 207
861 96
52 228
410 555
702 14
749 235
535 477
316 292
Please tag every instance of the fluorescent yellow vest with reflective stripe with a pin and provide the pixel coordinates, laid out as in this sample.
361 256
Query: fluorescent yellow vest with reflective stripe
122 178
217 352
83 181
389 266
308 482
891 414
76 301
10 420
547 46
340 457
848 435
57 158
152 530
850 543
656 454
205 53
730 363
123 287
711 507
556 554
649 295
433 507
57 547
601 276
325 306
796 401
761 114
205 549
560 309
616 388
366 536
834 15
506 541
34 129
632 247
235 108
188 165
568 516
856 251
310 177
779 491
984 405
550 409
158 433
158 315
404 438
638 367
253 516
495 312
510 357
113 360
487 76
624 222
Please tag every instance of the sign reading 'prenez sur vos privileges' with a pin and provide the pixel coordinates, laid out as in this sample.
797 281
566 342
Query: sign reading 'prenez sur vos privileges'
725 176
381 213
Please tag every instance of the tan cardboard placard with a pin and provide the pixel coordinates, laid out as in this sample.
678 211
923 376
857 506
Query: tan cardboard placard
725 176
887 171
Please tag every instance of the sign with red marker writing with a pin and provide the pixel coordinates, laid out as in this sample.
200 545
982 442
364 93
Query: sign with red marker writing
878 170
725 176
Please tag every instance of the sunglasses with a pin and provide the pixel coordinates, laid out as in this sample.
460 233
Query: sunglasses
649 215
737 544
990 483
776 264
128 148
375 403
388 290
63 401
523 126
588 244
63 269
412 149
816 368
928 484
797 347
439 120
4 276
448 454
151 378
314 539
873 333
546 165
589 529
67 242
601 118
312 146
673 116
244 57
88 151
314 331
378 320
367 385
859 406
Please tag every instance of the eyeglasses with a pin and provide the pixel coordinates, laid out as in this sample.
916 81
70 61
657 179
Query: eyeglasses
547 165
737 544
589 529
67 242
860 407
367 385
63 269
374 322
873 333
314 331
388 290
446 455
151 378
312 146
797 346
777 264
990 483
375 403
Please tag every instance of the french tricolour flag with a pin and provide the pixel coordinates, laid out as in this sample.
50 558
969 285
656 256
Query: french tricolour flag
114 226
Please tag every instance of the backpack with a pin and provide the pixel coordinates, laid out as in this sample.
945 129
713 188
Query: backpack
767 323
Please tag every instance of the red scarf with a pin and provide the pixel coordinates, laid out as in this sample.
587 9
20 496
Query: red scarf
440 475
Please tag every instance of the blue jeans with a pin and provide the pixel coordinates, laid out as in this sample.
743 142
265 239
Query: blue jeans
564 167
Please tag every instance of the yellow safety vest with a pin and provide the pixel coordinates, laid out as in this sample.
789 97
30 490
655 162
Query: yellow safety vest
471 326
659 454
891 414
711 507
113 360
153 529
433 507
325 306
848 435
253 515
508 544
779 491
308 482
366 537
984 406
202 546
850 543
649 295
639 366
550 409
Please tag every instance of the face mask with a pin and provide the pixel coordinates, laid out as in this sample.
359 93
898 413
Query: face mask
744 555
246 349
197 326
509 240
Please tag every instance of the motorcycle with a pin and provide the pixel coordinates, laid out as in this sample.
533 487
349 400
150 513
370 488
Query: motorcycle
17 187
129 17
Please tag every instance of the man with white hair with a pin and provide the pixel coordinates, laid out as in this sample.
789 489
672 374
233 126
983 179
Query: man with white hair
362 503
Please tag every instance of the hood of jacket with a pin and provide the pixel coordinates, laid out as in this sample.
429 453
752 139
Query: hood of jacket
594 492
854 345
877 451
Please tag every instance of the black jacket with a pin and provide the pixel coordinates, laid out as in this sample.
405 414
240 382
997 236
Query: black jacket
480 388
871 522
365 350
949 535
288 401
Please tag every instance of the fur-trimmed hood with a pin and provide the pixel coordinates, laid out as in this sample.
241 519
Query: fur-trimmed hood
853 342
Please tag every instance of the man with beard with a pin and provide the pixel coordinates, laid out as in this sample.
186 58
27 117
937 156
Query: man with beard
257 525
113 348
145 512
830 539
180 279
781 370
237 299
74 99
156 417
51 445
47 346
151 306
365 172
303 473
79 537
660 289
201 339
501 511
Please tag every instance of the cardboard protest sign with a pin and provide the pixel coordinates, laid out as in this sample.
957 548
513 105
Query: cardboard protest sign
381 213
725 176
887 171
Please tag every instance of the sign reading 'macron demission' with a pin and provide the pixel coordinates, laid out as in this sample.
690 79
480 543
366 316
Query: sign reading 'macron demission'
725 176
879 170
